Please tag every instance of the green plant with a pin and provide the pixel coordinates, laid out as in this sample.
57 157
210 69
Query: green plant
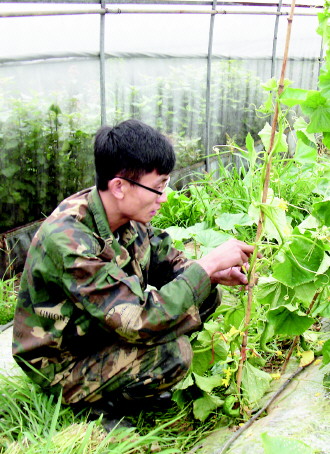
279 313
45 157
33 422
8 298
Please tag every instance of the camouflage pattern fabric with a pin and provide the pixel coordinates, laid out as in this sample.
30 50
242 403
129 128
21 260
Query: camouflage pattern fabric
98 313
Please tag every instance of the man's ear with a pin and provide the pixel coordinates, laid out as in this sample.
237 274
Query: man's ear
116 188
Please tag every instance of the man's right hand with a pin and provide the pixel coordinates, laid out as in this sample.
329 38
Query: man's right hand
231 253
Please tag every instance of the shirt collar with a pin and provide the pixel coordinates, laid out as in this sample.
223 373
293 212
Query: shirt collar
128 233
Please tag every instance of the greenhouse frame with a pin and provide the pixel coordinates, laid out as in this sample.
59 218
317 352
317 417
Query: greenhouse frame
199 81
215 267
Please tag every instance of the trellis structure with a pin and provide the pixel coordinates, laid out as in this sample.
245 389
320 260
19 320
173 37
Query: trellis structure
167 7
208 80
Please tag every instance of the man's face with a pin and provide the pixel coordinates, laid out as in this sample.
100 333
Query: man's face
141 204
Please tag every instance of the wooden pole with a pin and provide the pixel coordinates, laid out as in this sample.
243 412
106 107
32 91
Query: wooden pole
252 276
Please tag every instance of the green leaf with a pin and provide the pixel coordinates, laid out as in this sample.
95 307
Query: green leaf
255 383
299 261
323 187
289 320
270 85
205 405
324 83
275 219
185 383
284 445
179 397
234 317
308 223
293 96
326 139
326 352
10 171
313 101
249 143
280 143
178 233
211 238
206 335
201 362
300 126
207 384
56 109
228 221
199 227
320 120
305 154
326 382
272 292
321 210
305 292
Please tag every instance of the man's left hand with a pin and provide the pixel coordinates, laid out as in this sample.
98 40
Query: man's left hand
231 276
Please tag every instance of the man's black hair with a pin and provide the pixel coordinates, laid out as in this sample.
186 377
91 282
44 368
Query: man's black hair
131 149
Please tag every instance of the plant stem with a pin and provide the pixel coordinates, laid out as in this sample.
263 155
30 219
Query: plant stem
268 165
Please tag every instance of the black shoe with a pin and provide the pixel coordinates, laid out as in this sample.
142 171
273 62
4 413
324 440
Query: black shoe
111 417
110 424
157 402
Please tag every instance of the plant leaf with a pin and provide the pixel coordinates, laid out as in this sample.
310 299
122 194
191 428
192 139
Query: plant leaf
289 320
284 445
326 352
255 383
305 154
321 210
228 221
320 120
306 358
280 144
299 261
205 405
293 96
208 383
210 238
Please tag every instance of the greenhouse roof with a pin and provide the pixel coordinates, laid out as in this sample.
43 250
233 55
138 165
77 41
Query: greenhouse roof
241 29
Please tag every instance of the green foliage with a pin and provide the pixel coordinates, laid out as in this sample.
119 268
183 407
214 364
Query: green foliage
47 147
276 445
8 298
33 422
293 289
45 156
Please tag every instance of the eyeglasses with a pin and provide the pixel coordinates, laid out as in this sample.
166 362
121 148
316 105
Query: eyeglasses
155 191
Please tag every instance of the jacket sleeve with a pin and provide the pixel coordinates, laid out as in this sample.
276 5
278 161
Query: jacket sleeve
91 277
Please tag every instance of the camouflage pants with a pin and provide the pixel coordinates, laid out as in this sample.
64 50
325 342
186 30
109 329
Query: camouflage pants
130 370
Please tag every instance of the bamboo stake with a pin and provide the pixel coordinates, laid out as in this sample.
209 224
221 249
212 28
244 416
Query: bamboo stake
252 275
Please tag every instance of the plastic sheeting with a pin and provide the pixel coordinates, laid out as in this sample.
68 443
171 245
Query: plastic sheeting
14 245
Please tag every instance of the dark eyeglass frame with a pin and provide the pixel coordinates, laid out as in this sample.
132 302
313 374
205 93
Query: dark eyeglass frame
143 186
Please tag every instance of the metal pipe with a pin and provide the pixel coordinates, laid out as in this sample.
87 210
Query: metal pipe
145 11
167 2
102 68
208 89
277 19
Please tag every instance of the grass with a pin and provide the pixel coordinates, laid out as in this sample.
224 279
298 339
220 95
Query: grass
32 422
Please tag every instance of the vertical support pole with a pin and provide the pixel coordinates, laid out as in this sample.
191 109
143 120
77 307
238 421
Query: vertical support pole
320 59
277 19
102 66
208 89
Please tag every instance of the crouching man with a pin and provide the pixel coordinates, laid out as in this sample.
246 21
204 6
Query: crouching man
105 301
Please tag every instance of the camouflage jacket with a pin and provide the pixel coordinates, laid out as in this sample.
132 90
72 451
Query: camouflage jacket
82 288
